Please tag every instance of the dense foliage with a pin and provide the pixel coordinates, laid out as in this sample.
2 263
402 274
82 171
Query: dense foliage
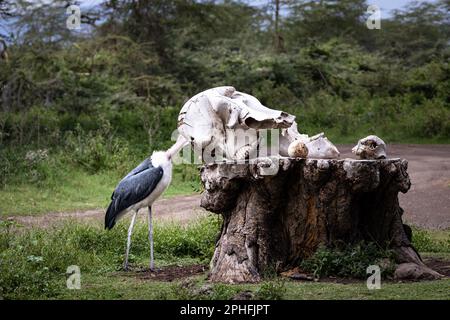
350 261
104 97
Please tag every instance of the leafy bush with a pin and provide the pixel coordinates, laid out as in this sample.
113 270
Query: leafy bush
9 165
188 173
33 166
423 241
96 150
350 261
25 277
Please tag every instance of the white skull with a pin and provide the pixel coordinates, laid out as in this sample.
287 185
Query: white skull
226 120
370 147
230 122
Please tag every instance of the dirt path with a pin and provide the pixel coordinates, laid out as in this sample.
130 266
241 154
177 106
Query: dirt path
179 208
426 204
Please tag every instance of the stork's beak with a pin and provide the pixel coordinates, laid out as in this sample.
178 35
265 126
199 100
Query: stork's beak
173 150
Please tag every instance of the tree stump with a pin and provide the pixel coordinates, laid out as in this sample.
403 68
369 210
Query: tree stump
281 219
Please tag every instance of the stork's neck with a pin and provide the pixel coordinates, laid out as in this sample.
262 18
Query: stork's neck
173 150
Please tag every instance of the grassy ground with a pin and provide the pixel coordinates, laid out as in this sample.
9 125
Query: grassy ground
101 287
33 265
78 190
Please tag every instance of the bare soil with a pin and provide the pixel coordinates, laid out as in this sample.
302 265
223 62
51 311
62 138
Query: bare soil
426 204
168 273
175 272
440 265
179 208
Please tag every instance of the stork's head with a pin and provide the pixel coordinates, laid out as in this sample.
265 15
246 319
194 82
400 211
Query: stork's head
160 159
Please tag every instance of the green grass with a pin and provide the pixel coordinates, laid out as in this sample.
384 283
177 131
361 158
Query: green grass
389 291
109 286
83 191
435 241
106 287
33 263
78 190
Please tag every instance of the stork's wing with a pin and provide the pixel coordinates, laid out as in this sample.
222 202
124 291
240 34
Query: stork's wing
132 189
144 165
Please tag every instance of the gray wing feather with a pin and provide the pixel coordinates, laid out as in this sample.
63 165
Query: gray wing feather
135 187
144 165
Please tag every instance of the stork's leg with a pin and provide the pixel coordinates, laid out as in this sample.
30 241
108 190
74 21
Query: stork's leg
150 237
130 230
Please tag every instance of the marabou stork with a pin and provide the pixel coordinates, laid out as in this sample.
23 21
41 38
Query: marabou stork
139 189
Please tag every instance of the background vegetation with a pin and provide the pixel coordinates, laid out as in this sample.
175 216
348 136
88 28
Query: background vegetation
83 107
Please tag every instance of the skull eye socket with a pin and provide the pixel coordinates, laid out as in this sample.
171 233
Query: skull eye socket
372 145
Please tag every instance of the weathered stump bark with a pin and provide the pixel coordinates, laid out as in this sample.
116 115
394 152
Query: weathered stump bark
281 219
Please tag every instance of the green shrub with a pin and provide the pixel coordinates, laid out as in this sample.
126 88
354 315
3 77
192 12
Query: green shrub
31 166
350 261
96 150
38 126
10 163
25 277
424 241
188 173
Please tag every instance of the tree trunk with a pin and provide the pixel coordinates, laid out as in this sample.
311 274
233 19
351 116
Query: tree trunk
280 219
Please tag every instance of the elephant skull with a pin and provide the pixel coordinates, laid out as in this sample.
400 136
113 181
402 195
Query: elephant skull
227 122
